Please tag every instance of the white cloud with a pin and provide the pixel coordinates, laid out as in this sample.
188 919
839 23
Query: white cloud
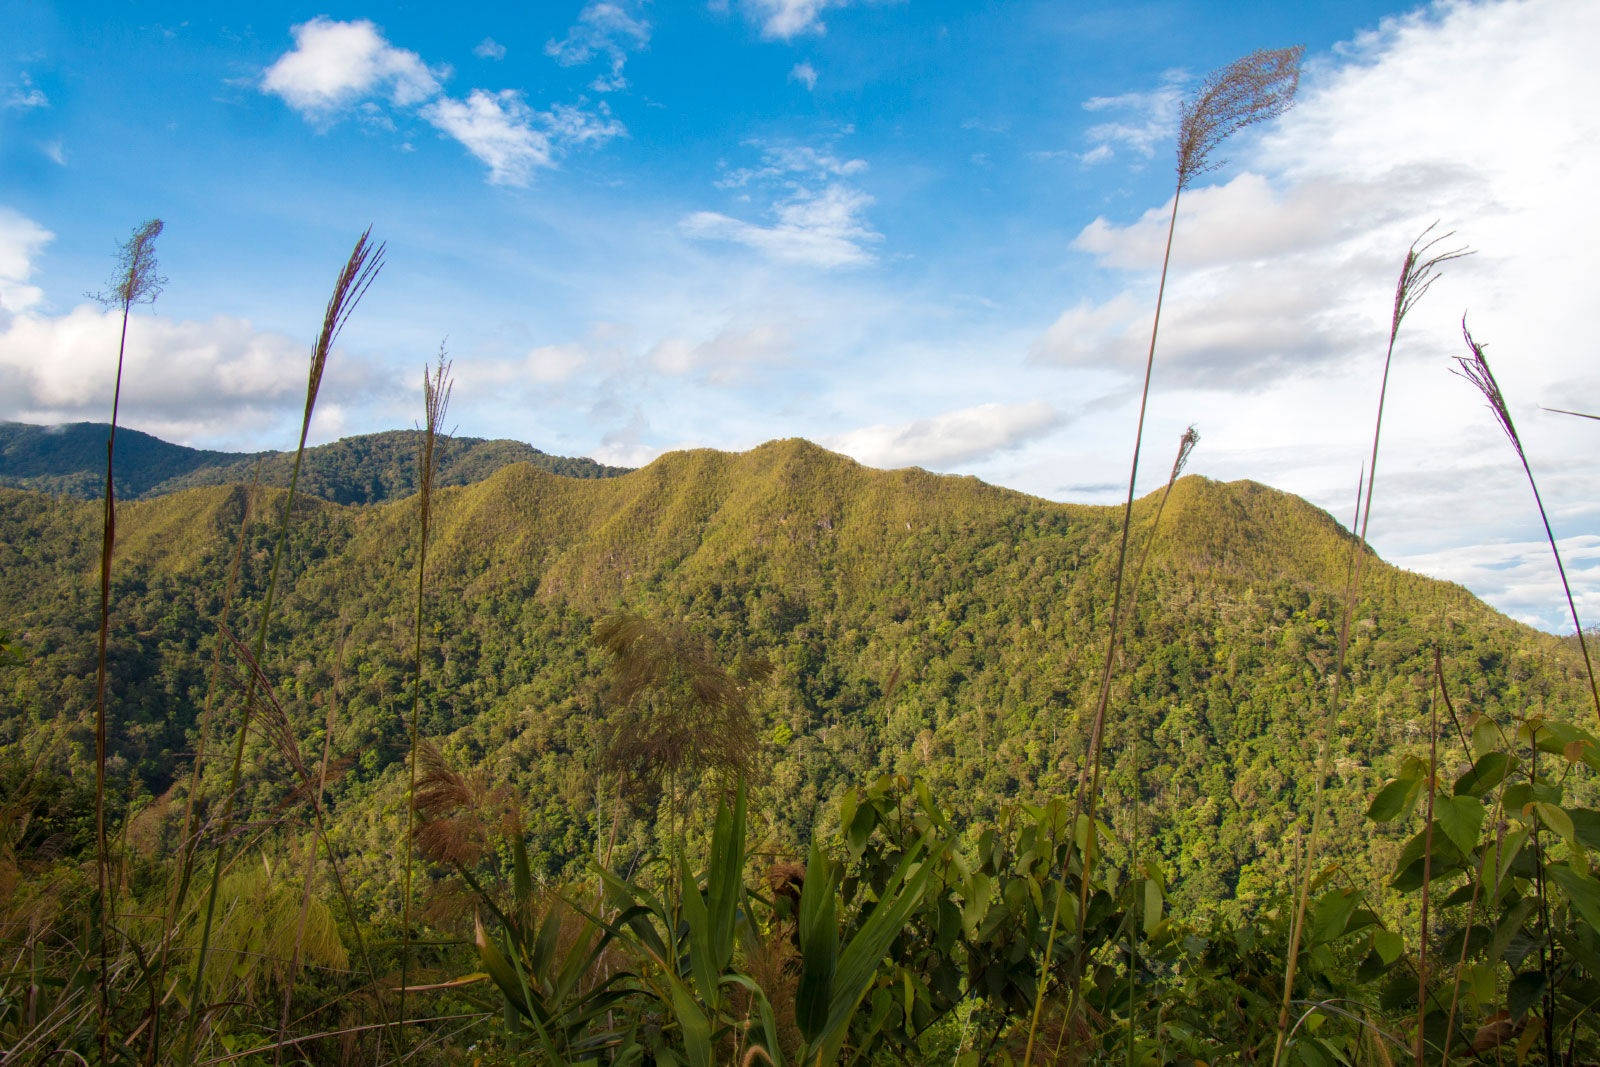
805 74
21 241
951 438
336 64
1278 304
498 129
818 229
1520 578
1148 120
724 359
182 379
512 139
55 152
24 98
489 48
792 165
785 19
606 28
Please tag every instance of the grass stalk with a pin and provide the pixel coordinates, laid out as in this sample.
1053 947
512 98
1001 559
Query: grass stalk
1476 370
1427 877
311 854
1253 89
134 281
1417 274
435 400
352 283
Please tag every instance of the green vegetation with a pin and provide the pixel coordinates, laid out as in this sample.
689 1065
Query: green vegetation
767 758
369 469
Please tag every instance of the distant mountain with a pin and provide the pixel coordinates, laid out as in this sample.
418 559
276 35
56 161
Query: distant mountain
917 624
69 460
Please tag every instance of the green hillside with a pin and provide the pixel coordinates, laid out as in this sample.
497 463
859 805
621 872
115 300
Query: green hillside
69 460
924 624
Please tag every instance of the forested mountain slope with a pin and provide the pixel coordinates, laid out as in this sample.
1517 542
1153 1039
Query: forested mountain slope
71 460
924 624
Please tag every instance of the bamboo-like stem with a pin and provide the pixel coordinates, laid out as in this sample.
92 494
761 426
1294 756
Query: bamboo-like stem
311 854
435 399
357 276
1417 275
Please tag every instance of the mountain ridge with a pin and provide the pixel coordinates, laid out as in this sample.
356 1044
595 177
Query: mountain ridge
68 459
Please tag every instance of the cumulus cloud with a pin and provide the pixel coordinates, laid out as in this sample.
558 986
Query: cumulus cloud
489 48
1283 273
951 438
342 67
181 378
805 74
335 64
604 28
21 241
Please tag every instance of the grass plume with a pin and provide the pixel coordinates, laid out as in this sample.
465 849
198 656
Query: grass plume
133 281
1475 369
1253 89
354 279
1418 272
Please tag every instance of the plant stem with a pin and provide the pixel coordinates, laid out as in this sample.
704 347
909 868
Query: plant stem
102 855
1105 685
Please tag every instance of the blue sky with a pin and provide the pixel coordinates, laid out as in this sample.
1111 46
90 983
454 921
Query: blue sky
917 233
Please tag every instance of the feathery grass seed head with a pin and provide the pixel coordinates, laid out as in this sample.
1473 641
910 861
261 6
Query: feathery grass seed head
1253 89
135 280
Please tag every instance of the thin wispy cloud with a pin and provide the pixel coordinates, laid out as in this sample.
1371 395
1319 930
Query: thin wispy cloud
1137 122
782 20
606 29
489 48
825 228
954 437
24 97
805 74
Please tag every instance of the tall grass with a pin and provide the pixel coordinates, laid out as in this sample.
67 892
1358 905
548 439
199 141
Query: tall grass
1418 272
354 279
1258 87
1475 369
435 401
134 281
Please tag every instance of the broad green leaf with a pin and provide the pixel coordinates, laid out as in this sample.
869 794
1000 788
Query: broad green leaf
1388 945
817 928
1556 819
1332 914
1461 818
1489 771
1586 824
1152 906
1486 736
1524 992
694 1024
1582 890
1394 800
